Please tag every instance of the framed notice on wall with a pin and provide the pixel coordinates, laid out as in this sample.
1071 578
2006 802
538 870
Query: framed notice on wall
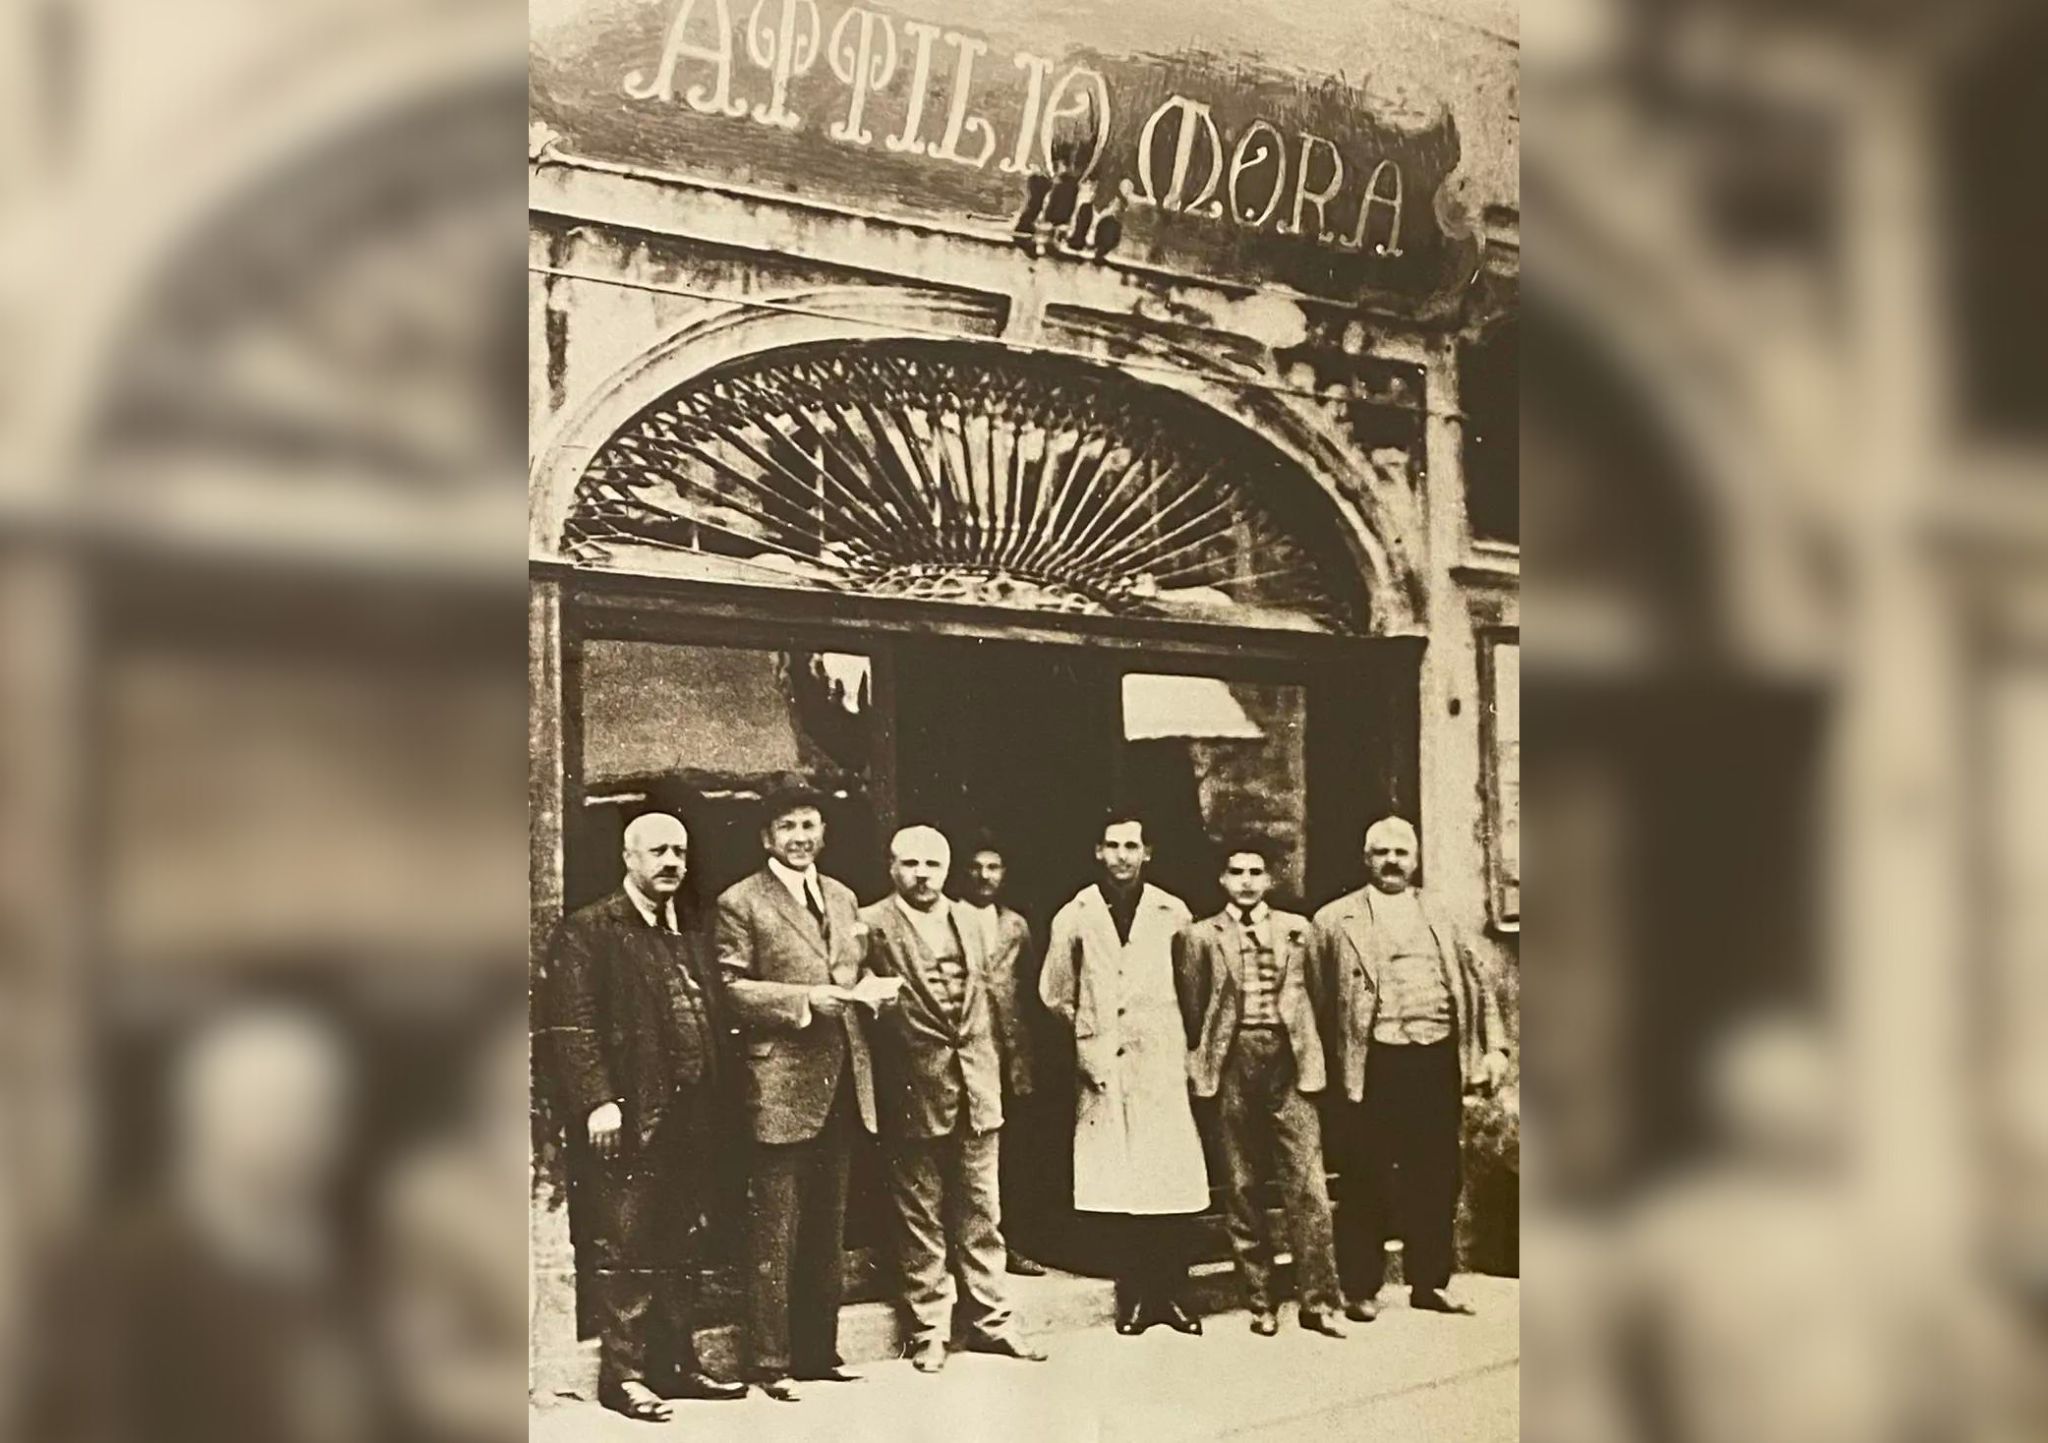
1500 681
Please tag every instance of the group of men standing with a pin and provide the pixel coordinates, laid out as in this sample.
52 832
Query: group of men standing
906 1019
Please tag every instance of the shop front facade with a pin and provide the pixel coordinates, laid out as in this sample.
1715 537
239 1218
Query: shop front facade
988 423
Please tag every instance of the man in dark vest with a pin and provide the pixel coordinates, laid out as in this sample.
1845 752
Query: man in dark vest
1246 980
941 1106
791 947
632 1018
1415 1024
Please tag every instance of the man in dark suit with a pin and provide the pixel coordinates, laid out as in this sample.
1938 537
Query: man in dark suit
1029 1188
1245 978
941 1106
633 1021
791 947
1415 1024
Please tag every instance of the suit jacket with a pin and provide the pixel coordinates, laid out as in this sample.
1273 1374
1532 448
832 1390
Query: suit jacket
936 1069
618 1013
1011 990
1351 952
772 954
1209 976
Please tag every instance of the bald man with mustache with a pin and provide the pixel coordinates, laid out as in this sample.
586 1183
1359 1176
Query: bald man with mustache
632 1018
940 1105
1416 1026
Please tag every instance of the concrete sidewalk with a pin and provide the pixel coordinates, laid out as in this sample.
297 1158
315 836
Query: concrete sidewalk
1409 1375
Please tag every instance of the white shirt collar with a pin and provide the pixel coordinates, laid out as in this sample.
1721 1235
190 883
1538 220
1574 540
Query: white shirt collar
1259 914
646 907
797 881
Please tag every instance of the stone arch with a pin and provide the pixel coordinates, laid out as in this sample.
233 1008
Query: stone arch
852 315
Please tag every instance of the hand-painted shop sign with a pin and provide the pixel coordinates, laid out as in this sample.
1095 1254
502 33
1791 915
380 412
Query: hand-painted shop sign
1227 166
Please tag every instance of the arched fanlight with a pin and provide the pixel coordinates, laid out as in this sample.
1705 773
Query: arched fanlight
960 472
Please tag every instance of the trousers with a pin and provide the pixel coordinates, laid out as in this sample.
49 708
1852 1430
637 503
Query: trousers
1266 1116
796 1222
946 1196
648 1205
1151 1254
1401 1171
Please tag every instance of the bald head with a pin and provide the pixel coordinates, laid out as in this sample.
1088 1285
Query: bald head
919 859
1391 853
657 853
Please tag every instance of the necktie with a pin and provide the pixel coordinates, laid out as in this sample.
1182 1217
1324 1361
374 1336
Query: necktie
1244 922
814 902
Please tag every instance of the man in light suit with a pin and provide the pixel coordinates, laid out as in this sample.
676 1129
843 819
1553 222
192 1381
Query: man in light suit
1137 1157
941 1106
790 946
632 1020
1247 979
1416 1024
1013 998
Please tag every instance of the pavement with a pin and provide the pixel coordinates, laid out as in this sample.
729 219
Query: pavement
1407 1376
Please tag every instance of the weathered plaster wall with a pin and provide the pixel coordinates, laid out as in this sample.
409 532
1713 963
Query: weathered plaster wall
624 265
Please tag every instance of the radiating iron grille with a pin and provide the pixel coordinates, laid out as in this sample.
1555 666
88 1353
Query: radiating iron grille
950 471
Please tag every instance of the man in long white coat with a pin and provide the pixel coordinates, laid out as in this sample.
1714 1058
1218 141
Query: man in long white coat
1137 1158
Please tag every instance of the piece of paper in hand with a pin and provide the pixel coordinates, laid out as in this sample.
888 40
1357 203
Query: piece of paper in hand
876 992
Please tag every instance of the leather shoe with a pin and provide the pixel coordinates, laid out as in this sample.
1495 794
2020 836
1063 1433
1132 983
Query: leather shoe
928 1356
782 1390
1180 1320
1318 1321
1430 1301
703 1386
1265 1324
1363 1310
1131 1320
1005 1348
1022 1266
834 1374
634 1399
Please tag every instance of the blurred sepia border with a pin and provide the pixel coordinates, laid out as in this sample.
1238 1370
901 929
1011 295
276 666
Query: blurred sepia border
1783 457
261 478
262 471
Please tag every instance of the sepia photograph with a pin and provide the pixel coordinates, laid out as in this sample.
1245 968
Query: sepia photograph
1024 731
839 755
